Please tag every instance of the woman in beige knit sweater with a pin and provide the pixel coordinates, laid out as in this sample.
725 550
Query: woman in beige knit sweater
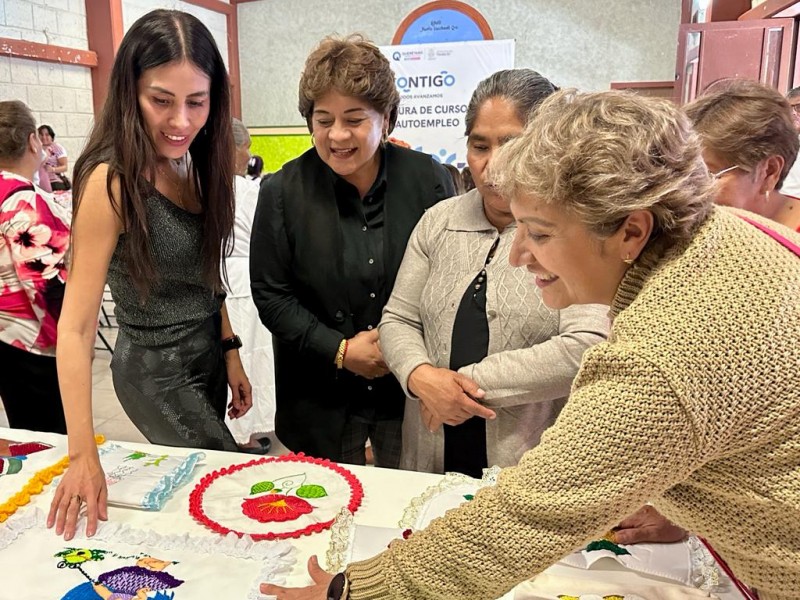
692 404
460 318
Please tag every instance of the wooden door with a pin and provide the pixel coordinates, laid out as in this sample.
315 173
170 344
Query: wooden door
761 50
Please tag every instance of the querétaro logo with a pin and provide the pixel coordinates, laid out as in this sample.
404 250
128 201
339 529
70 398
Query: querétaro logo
418 82
396 56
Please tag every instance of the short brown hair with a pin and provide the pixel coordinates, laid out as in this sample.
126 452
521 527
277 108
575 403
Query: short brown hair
603 155
743 122
353 66
16 126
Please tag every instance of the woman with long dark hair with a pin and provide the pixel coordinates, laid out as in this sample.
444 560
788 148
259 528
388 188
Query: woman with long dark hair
153 210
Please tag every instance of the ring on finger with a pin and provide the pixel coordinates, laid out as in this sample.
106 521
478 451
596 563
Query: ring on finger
76 497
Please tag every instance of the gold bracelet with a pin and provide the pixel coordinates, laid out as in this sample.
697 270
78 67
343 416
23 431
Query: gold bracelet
340 354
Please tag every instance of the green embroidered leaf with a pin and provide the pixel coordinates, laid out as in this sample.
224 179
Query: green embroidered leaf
136 456
311 491
468 496
606 545
156 461
260 488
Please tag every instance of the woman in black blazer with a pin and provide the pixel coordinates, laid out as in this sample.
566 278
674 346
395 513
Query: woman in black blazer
329 235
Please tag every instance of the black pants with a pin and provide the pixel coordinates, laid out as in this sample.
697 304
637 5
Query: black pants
29 390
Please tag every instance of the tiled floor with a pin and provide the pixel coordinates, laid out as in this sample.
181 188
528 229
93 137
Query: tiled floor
109 418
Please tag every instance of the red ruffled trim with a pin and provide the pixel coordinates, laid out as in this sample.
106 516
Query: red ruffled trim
196 497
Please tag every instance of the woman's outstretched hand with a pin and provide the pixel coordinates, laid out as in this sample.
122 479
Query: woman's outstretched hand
316 591
83 485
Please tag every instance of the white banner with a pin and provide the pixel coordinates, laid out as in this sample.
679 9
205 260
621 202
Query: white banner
435 82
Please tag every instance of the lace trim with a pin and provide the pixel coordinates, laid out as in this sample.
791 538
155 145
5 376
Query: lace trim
343 528
705 572
166 486
450 480
36 485
196 497
342 533
277 558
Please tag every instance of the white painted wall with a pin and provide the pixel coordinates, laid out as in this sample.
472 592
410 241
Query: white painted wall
576 43
216 22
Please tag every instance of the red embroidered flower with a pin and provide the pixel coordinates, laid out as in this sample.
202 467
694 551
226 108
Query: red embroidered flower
275 507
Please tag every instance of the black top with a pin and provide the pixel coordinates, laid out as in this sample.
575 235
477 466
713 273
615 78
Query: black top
179 300
312 283
362 233
465 444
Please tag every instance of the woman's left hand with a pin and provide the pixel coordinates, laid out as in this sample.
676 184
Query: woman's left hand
241 390
317 591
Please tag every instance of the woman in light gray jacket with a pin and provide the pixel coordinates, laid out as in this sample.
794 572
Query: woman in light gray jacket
486 366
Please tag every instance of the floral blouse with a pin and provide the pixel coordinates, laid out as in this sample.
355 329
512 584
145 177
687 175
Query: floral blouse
34 237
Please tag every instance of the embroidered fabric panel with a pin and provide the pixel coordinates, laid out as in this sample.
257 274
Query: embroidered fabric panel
18 459
121 563
554 587
451 492
141 480
687 564
20 463
670 561
275 498
352 543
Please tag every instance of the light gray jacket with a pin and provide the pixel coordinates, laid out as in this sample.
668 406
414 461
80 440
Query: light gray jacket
534 352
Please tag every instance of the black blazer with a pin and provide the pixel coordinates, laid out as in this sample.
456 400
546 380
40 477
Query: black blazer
297 275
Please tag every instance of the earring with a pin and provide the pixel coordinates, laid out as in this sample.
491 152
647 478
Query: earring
628 260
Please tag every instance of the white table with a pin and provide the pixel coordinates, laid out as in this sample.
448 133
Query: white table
386 494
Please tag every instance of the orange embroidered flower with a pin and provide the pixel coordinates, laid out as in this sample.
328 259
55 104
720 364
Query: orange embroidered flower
275 507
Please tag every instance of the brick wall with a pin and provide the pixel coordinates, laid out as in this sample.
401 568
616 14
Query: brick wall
59 95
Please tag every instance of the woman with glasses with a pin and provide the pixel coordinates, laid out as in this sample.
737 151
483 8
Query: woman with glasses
485 364
749 145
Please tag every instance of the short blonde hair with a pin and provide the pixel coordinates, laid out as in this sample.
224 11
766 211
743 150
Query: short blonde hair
743 122
601 156
354 67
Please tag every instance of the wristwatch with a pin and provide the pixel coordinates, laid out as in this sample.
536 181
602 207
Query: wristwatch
339 587
231 343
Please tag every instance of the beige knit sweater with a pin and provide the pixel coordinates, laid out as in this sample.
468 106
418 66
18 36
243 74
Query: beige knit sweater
534 352
693 403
